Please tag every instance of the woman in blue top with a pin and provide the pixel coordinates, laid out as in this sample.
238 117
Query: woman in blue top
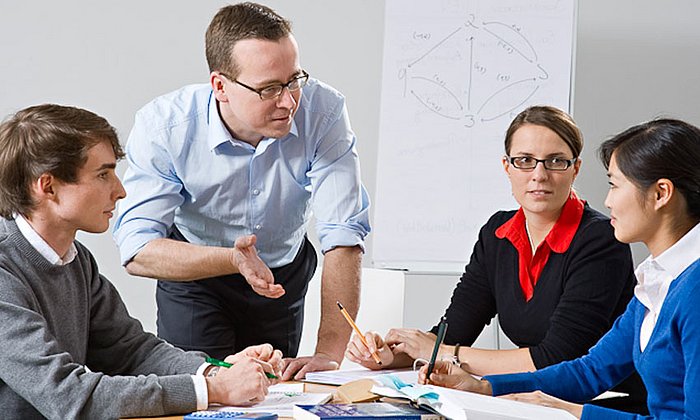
654 198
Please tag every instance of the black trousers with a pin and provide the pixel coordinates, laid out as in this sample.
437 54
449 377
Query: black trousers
223 315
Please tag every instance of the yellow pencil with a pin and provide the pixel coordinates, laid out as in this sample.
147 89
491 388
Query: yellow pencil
348 318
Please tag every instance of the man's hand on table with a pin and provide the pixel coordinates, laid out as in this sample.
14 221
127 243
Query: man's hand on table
297 368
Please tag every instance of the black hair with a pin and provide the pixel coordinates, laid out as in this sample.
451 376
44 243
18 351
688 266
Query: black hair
662 148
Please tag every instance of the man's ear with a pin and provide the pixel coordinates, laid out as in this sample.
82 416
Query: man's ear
44 186
663 191
217 85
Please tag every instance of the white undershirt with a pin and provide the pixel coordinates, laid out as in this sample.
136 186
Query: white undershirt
40 244
655 275
43 248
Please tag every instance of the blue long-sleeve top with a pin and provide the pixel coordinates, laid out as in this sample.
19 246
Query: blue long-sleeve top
669 365
187 170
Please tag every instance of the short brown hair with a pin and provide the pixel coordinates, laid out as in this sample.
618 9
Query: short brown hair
553 118
42 139
237 22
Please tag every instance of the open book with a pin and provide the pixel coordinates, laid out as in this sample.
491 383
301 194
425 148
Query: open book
460 405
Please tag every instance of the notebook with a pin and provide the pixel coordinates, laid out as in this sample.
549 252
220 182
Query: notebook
363 411
460 405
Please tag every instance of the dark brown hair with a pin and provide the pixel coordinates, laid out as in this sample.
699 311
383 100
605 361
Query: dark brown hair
42 139
662 148
237 22
553 118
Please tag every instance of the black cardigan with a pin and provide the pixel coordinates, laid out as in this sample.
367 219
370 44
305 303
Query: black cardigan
576 299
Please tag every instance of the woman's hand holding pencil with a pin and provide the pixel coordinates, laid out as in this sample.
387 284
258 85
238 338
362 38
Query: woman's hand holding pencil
368 350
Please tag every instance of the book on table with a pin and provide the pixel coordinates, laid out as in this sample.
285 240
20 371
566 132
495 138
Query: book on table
280 400
363 411
461 405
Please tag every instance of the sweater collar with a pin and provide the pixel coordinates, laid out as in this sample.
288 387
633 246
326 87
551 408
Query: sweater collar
33 237
559 238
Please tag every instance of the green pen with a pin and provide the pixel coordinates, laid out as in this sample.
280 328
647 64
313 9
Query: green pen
217 362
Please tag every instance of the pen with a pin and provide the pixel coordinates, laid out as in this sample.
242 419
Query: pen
357 331
217 362
442 329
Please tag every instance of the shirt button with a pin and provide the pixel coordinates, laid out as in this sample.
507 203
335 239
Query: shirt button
256 191
257 227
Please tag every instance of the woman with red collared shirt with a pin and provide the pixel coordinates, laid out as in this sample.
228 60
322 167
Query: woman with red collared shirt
552 271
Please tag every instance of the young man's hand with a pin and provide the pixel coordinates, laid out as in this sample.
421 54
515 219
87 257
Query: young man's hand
244 383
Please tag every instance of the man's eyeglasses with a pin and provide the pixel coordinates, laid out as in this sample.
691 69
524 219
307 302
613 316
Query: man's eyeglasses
274 91
529 163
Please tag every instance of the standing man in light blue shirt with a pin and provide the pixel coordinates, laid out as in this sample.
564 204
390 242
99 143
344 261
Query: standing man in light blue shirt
221 182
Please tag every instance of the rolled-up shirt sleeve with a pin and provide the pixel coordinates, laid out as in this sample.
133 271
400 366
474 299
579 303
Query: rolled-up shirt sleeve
148 211
339 200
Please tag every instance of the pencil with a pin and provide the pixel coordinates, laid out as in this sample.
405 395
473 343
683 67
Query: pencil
357 331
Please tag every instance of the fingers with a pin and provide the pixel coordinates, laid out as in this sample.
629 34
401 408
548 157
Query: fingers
243 384
441 372
353 351
422 375
298 367
292 366
262 352
398 336
245 241
394 336
268 369
268 290
276 361
366 344
357 352
442 380
374 341
301 373
258 281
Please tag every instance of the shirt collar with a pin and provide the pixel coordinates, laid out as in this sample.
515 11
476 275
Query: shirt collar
218 134
560 237
41 245
681 254
655 275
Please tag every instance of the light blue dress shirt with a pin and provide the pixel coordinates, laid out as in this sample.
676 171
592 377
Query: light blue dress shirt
185 169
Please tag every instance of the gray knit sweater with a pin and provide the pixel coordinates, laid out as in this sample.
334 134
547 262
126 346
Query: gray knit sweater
58 320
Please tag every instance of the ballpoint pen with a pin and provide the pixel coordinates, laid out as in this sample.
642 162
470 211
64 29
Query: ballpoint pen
442 329
217 362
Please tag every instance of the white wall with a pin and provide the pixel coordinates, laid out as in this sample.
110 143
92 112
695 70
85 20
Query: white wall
636 59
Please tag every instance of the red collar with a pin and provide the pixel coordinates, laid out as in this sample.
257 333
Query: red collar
557 240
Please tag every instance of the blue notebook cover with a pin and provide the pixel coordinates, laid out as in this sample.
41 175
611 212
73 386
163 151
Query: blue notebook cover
203 415
362 411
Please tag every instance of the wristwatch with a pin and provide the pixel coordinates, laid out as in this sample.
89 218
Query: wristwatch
213 371
455 356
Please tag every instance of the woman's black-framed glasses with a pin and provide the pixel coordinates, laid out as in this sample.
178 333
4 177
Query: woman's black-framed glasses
274 91
529 163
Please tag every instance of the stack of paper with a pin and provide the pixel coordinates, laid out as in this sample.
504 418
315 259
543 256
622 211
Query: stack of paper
341 377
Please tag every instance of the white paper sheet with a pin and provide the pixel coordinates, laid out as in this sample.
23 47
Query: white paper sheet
341 377
281 401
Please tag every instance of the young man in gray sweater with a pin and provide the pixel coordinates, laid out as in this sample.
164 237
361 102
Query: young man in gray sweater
69 347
